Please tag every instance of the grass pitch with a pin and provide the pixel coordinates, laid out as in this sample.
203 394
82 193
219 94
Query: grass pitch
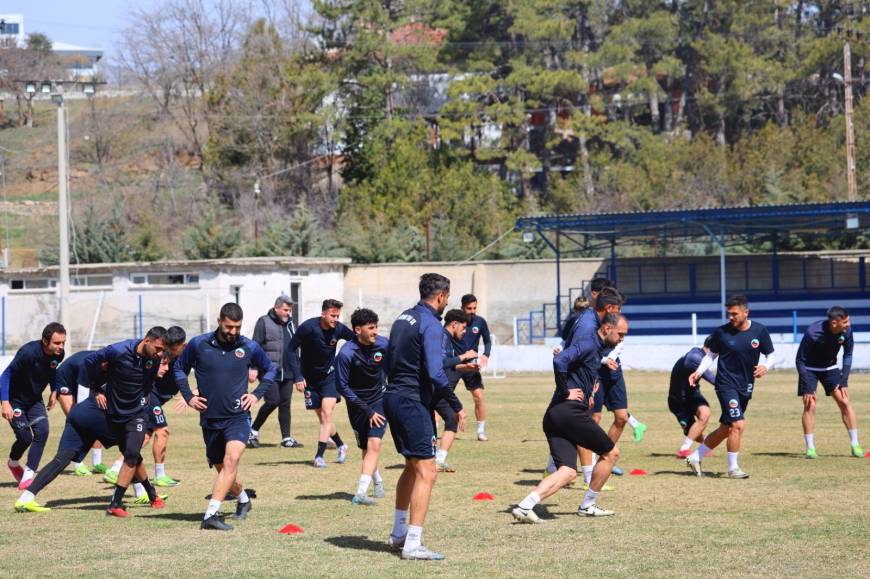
792 517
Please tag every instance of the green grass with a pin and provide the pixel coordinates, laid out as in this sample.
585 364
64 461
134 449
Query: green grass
792 517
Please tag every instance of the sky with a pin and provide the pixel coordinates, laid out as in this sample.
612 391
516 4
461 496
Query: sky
88 23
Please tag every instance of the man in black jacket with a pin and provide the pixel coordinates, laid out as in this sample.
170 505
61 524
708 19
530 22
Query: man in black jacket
273 333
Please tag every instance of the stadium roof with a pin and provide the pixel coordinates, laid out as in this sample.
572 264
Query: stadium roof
693 223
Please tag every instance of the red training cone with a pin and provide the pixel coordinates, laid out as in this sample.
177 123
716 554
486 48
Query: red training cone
638 472
290 529
867 454
483 497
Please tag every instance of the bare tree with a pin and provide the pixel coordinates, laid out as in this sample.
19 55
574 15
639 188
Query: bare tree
33 62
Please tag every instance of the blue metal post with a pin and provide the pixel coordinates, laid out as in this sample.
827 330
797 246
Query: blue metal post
558 289
3 330
613 260
862 273
794 328
141 333
774 266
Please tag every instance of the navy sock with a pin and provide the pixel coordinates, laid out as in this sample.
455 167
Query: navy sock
321 448
337 439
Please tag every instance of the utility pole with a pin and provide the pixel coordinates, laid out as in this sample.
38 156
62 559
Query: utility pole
850 131
62 209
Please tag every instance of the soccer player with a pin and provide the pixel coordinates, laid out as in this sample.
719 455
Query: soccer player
86 425
274 332
456 361
817 360
416 378
132 368
477 329
21 386
70 392
317 338
221 361
580 305
360 375
739 345
568 421
685 400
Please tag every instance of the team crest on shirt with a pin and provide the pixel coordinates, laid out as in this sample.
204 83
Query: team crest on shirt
333 342
157 411
52 364
149 364
17 413
64 390
377 357
240 353
733 403
841 338
475 330
755 343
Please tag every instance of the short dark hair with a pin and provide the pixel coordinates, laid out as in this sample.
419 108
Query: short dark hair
231 311
612 319
468 299
363 317
156 333
609 296
330 304
708 341
580 304
455 315
175 335
737 300
838 313
52 329
599 283
433 283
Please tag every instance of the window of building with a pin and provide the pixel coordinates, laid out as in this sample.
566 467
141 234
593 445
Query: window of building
9 28
164 279
92 281
32 284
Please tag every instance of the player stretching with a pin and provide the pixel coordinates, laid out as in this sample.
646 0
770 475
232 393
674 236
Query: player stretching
477 329
360 374
132 367
317 338
685 400
416 378
220 361
456 361
568 421
21 386
71 390
817 360
739 345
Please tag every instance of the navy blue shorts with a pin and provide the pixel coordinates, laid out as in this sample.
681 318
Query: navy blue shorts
130 432
412 426
473 381
733 404
830 379
315 393
86 424
568 425
685 410
217 433
25 417
359 421
611 392
156 416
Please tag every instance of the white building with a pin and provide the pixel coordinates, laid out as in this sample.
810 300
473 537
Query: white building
81 62
12 29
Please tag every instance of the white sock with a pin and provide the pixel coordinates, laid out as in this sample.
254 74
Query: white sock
594 459
97 456
441 456
809 440
255 433
26 497
699 452
28 474
13 463
551 465
687 443
414 538
363 487
481 426
377 477
138 489
853 436
400 524
243 496
589 499
530 501
160 469
117 466
632 421
587 473
732 461
213 507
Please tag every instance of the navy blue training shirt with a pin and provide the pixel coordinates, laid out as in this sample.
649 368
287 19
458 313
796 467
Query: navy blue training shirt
129 381
739 353
165 387
416 359
26 377
451 349
221 372
577 367
72 373
477 329
318 350
685 367
819 348
586 325
361 373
